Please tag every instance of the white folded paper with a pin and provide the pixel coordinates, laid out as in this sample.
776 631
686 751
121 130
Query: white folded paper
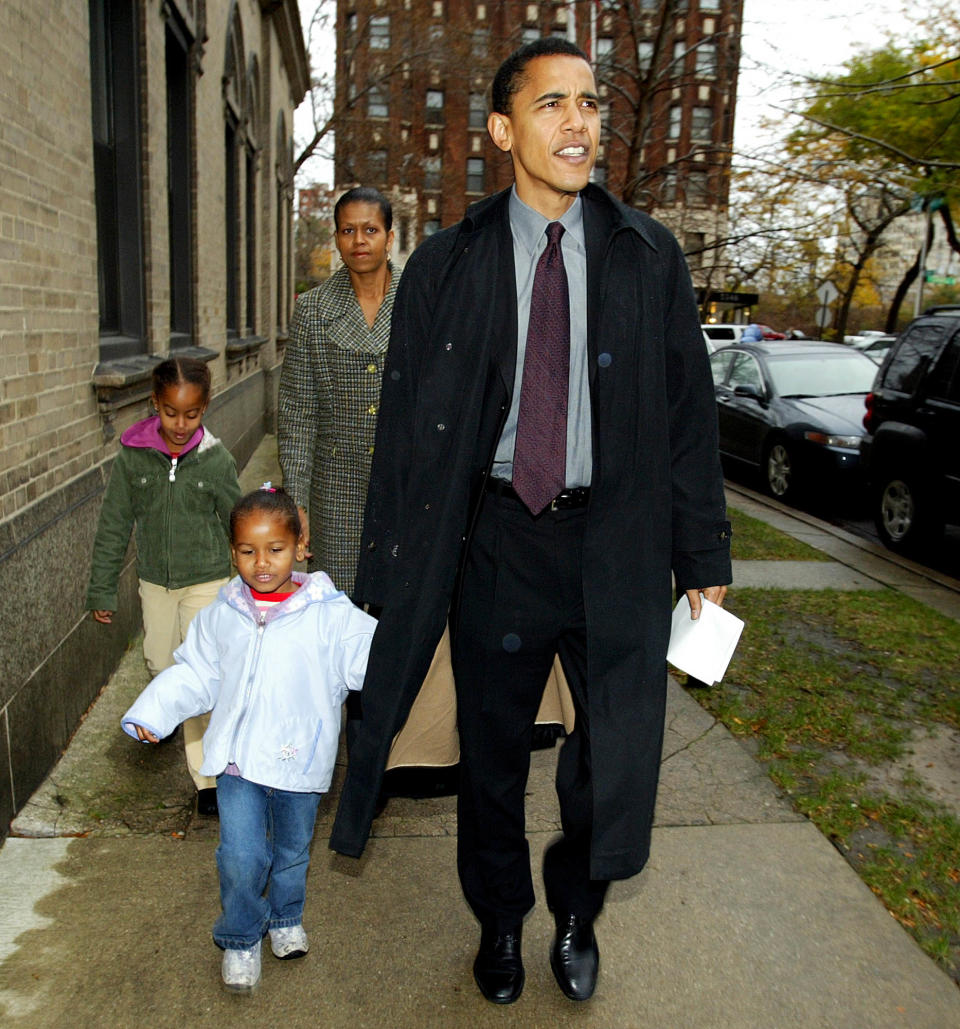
703 648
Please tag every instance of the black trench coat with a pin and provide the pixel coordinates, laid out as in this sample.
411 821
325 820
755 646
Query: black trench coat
656 500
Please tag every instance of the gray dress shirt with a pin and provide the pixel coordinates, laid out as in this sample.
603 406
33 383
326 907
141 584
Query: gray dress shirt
529 229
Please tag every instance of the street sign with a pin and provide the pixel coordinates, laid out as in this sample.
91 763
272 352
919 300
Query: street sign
826 294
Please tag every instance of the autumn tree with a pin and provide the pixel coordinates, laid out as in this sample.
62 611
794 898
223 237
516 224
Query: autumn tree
894 117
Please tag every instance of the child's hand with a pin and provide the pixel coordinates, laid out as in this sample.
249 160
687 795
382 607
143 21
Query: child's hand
104 617
145 736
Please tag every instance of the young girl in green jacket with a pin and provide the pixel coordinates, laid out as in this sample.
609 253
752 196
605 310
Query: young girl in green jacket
175 484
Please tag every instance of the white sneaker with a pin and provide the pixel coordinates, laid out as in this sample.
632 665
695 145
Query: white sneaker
289 941
241 968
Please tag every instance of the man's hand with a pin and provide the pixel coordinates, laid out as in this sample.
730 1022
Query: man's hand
712 593
145 736
305 531
104 617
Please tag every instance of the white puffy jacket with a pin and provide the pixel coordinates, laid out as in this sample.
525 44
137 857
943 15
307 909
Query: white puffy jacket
274 680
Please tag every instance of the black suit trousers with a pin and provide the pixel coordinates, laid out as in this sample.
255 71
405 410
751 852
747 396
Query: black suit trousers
520 602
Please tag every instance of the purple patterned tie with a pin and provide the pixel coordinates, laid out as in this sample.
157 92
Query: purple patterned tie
540 453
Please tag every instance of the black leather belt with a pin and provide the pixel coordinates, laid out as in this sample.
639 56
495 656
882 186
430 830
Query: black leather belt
564 501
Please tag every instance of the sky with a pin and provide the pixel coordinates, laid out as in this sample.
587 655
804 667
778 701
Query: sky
781 40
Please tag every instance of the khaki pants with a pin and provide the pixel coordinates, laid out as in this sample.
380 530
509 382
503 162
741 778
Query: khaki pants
166 616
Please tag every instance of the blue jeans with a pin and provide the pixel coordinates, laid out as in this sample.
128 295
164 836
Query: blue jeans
264 847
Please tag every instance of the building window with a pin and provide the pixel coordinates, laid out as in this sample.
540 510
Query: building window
250 238
115 79
709 5
480 46
668 186
599 176
377 106
706 59
644 54
673 124
232 225
430 227
679 56
475 175
481 12
438 8
529 35
431 172
477 119
701 124
532 12
377 166
380 32
604 53
434 110
351 25
179 187
696 189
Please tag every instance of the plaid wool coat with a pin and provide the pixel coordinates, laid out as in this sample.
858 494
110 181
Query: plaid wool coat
327 416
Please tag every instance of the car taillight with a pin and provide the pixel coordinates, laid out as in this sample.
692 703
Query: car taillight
868 419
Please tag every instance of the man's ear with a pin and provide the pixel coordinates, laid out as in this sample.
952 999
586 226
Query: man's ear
498 125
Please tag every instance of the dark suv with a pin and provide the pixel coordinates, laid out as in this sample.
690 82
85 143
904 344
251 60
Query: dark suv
912 452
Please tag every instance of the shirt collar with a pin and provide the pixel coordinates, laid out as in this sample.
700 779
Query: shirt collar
528 226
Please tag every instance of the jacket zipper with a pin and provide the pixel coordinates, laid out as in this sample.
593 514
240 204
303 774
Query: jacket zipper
248 687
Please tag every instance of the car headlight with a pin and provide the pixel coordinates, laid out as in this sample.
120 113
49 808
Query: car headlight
826 440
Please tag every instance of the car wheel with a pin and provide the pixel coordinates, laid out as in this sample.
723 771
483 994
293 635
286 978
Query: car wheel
906 519
780 471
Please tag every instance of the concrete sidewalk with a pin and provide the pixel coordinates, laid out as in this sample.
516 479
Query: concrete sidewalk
746 915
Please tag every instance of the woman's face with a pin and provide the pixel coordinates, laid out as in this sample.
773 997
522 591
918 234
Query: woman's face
362 238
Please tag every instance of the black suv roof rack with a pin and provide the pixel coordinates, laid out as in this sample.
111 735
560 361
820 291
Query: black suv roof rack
943 309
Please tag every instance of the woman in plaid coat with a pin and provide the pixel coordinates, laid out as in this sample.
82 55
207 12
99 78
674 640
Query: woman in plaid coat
330 385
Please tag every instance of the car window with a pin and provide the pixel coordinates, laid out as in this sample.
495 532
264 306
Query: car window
917 346
720 332
822 374
720 365
745 372
943 382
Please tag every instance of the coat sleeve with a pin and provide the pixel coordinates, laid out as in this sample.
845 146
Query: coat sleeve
228 492
353 644
701 532
298 404
188 687
110 543
394 446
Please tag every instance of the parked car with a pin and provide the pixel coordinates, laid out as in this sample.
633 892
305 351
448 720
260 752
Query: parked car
723 334
876 347
792 409
711 343
911 452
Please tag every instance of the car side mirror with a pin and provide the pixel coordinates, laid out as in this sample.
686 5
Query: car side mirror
749 391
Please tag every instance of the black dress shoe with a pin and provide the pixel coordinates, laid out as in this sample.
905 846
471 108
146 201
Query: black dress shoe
498 968
575 957
207 802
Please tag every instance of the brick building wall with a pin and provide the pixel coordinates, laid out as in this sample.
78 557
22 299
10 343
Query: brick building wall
66 395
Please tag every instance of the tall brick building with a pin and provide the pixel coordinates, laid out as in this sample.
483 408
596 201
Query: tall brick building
145 208
418 74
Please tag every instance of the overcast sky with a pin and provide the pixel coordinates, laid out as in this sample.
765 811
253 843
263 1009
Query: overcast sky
781 39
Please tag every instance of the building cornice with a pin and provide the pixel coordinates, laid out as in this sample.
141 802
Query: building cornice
285 15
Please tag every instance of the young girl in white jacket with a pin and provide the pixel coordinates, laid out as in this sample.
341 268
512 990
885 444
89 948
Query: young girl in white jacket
273 658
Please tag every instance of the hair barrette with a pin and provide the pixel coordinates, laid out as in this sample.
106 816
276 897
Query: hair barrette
267 487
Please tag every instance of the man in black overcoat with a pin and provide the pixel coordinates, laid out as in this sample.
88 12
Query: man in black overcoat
454 530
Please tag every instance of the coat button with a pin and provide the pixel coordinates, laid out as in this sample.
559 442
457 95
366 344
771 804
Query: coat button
441 427
372 409
395 375
604 360
371 367
449 346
